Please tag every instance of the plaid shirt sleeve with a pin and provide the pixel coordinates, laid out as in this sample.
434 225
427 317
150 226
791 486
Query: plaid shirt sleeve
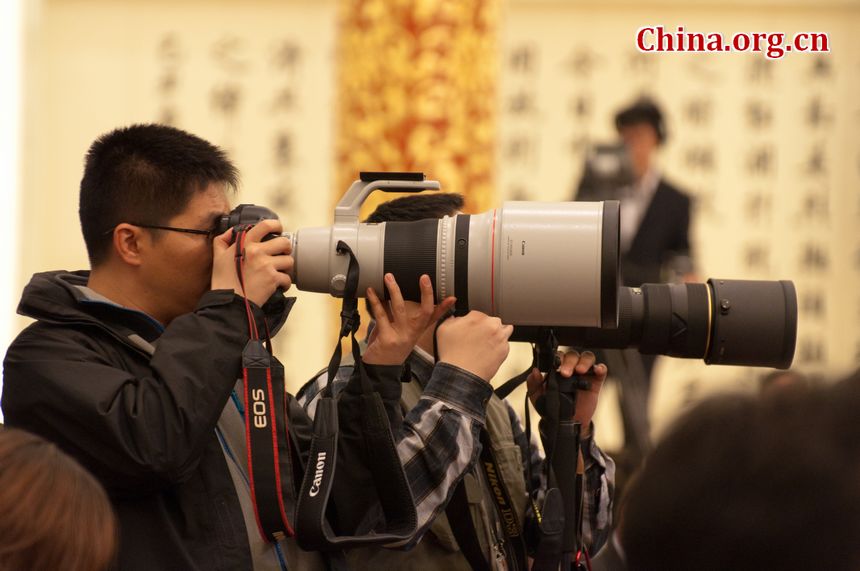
599 481
438 440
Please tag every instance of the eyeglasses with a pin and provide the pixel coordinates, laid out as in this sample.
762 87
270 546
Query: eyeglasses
208 233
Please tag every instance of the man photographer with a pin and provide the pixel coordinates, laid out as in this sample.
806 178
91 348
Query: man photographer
132 367
483 544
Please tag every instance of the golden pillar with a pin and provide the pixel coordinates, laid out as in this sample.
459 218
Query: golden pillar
417 92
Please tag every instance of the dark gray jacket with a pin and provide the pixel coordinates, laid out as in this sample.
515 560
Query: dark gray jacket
143 423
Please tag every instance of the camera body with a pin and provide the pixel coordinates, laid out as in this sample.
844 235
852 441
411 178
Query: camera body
246 215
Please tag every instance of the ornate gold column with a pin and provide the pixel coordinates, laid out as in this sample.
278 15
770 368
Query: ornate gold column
417 92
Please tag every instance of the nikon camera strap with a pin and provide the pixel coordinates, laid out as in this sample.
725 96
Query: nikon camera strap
511 525
401 520
266 424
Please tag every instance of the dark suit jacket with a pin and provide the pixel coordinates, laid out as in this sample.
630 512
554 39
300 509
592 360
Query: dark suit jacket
663 233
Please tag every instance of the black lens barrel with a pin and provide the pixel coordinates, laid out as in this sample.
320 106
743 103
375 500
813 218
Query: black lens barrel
410 252
726 322
676 320
755 323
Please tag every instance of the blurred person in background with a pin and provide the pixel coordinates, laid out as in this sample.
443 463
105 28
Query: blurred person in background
654 248
53 513
752 484
655 214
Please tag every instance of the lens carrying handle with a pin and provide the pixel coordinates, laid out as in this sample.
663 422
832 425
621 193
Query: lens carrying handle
313 531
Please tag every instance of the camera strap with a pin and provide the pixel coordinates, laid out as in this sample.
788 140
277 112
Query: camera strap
557 538
270 472
379 450
459 516
463 528
564 465
511 528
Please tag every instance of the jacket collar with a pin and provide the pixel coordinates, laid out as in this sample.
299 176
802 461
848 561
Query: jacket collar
62 297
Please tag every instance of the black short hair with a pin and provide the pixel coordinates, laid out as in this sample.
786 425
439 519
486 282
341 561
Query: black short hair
145 174
749 483
641 111
417 207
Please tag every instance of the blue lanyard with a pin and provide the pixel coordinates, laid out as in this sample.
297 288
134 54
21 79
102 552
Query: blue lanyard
238 403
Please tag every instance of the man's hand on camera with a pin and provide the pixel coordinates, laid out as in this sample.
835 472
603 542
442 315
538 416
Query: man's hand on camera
266 264
475 342
397 331
586 400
